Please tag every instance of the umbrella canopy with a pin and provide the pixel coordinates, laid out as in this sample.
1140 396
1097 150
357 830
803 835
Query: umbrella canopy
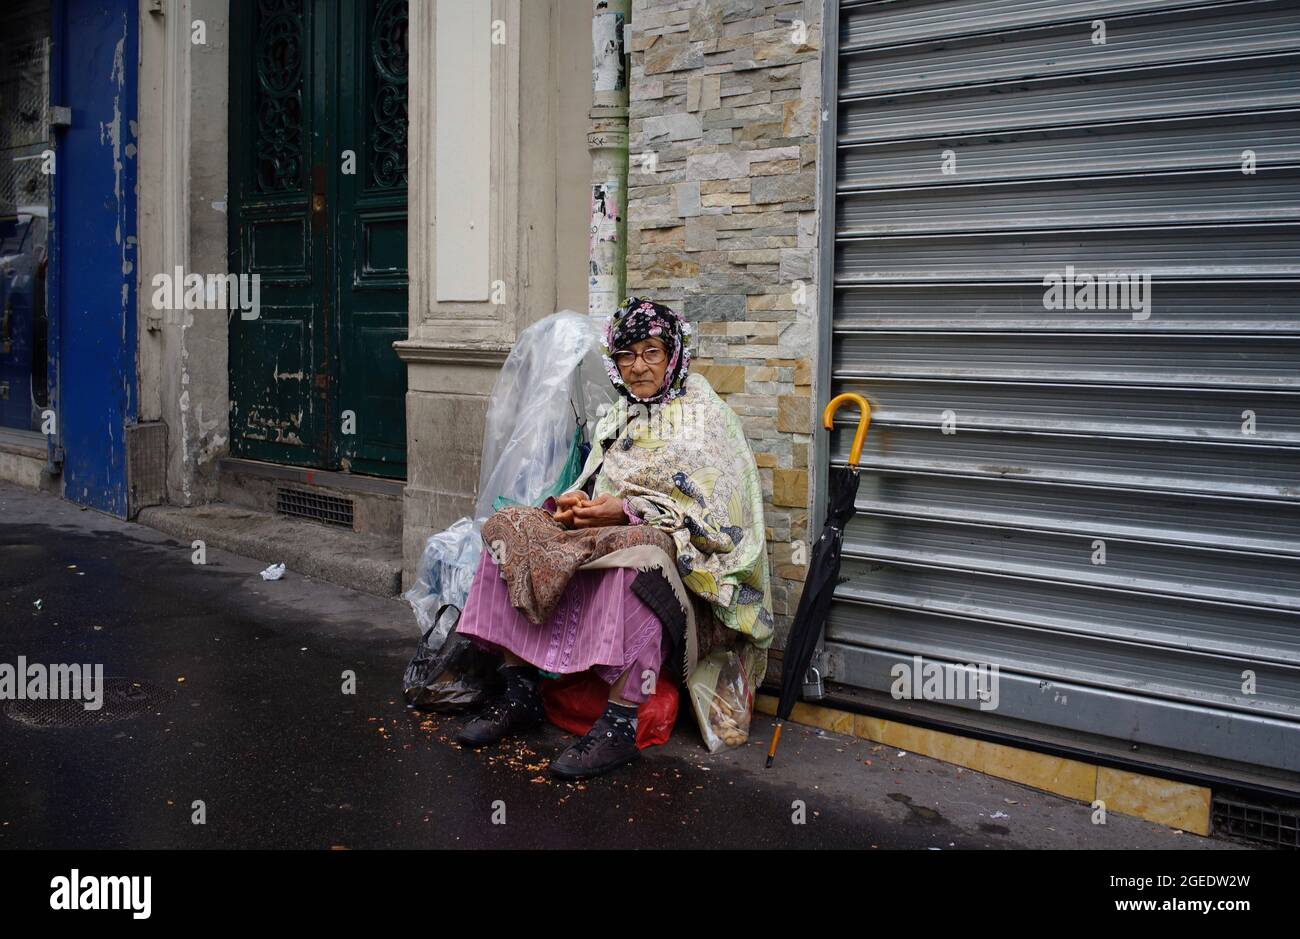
823 568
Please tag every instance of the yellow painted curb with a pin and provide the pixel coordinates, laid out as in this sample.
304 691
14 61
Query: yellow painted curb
1178 805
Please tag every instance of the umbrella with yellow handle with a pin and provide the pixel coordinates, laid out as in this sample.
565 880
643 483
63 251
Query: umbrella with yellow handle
823 566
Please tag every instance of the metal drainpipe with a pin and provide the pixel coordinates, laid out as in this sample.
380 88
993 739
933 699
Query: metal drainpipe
607 141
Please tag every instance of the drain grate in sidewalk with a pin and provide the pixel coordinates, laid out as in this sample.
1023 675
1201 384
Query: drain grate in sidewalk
124 699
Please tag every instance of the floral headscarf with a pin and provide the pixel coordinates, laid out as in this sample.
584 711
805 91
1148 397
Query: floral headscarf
639 319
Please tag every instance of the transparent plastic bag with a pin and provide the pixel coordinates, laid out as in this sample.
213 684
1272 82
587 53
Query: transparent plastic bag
445 573
722 695
551 386
552 380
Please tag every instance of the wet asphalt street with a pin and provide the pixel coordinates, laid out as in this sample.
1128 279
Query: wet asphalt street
250 719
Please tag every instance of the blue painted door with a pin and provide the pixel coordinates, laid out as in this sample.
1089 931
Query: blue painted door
94 228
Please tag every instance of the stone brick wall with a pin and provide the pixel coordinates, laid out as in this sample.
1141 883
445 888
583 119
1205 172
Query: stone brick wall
725 100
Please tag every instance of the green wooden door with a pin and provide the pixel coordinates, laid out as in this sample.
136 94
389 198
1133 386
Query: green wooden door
318 209
371 227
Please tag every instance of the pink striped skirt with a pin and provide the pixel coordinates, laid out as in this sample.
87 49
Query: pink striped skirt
599 624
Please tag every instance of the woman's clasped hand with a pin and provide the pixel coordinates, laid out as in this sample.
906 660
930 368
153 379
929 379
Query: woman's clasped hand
575 510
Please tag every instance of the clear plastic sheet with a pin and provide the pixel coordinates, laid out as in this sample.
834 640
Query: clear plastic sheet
445 573
552 378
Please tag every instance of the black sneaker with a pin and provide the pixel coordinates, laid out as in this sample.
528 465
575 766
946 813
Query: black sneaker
502 716
600 751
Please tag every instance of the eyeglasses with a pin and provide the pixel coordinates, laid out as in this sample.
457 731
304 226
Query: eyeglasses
654 355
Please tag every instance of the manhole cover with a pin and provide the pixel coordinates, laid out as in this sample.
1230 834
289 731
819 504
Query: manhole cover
124 699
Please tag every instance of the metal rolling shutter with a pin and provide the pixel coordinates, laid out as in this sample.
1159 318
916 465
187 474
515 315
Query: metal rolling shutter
1075 426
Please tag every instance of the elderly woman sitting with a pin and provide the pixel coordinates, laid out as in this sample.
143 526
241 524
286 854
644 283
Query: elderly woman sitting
668 512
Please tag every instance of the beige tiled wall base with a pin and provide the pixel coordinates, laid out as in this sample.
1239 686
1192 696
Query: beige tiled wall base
1177 805
1163 801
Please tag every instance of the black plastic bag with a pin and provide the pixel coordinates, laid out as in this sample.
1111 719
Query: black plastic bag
449 672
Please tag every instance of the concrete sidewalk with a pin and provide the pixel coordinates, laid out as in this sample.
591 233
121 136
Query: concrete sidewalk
251 721
363 562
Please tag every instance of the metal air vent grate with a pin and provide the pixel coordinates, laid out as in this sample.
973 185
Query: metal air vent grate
314 506
1261 824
